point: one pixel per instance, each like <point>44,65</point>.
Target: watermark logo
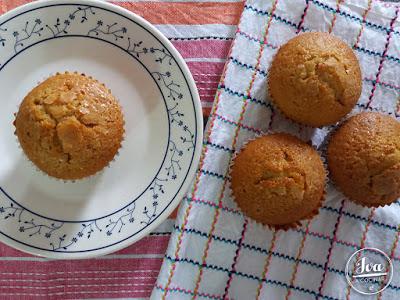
<point>369,271</point>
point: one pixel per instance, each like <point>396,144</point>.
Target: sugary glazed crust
<point>315,79</point>
<point>364,159</point>
<point>70,126</point>
<point>278,180</point>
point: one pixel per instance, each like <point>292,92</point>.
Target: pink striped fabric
<point>202,32</point>
<point>127,273</point>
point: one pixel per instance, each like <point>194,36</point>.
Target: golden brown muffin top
<point>278,180</point>
<point>70,126</point>
<point>315,79</point>
<point>364,158</point>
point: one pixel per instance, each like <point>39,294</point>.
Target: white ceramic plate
<point>163,129</point>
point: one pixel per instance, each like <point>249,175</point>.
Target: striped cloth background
<point>202,31</point>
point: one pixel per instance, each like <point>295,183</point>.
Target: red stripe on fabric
<point>203,48</point>
<point>391,255</point>
<point>63,266</point>
<point>2,7</point>
<point>235,259</point>
<point>203,72</point>
<point>303,17</point>
<point>75,288</point>
<point>207,87</point>
<point>208,96</point>
<point>206,70</point>
<point>177,248</point>
<point>338,2</point>
<point>187,12</point>
<point>362,245</point>
<point>76,295</point>
<point>147,245</point>
<point>298,256</point>
<point>171,12</point>
<point>6,5</point>
<point>207,101</point>
<point>380,68</point>
<point>207,76</point>
<point>11,252</point>
<point>390,85</point>
<point>207,82</point>
<point>266,264</point>
<point>332,242</point>
<point>205,253</point>
<point>238,124</point>
<point>80,278</point>
<point>363,23</point>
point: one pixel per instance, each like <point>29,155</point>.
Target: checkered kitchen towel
<point>217,253</point>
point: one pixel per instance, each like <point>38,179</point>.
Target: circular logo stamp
<point>369,271</point>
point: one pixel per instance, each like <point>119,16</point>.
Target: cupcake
<point>278,180</point>
<point>364,159</point>
<point>70,126</point>
<point>315,79</point>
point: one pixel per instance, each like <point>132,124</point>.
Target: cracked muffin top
<point>364,159</point>
<point>278,180</point>
<point>315,79</point>
<point>70,126</point>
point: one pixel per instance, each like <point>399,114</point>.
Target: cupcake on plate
<point>364,159</point>
<point>70,126</point>
<point>278,180</point>
<point>315,79</point>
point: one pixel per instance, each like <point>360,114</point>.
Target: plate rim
<point>22,246</point>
